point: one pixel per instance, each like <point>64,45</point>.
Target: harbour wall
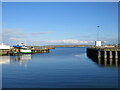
<point>103,53</point>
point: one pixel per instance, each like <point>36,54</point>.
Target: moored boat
<point>21,48</point>
<point>4,47</point>
<point>25,50</point>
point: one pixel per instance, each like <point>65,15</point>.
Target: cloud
<point>70,41</point>
<point>12,36</point>
<point>39,33</point>
<point>60,42</point>
<point>15,39</point>
<point>13,33</point>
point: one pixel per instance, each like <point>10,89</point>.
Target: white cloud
<point>39,33</point>
<point>15,39</point>
<point>70,41</point>
<point>60,42</point>
<point>12,33</point>
<point>12,36</point>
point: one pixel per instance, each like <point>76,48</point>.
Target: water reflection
<point>22,58</point>
<point>4,59</point>
<point>108,62</point>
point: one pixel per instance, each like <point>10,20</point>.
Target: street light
<point>98,42</point>
<point>98,33</point>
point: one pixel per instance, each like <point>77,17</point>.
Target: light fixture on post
<point>98,42</point>
<point>98,33</point>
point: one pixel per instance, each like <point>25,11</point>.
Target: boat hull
<point>4,47</point>
<point>25,51</point>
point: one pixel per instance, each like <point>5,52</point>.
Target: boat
<point>4,47</point>
<point>21,48</point>
<point>21,45</point>
<point>25,50</point>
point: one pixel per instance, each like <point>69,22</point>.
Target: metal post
<point>98,33</point>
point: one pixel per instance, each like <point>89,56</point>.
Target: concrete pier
<point>106,56</point>
<point>116,54</point>
<point>4,52</point>
<point>103,53</point>
<point>40,50</point>
<point>110,56</point>
<point>11,51</point>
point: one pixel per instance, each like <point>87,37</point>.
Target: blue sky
<point>52,23</point>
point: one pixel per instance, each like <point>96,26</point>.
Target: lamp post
<point>98,33</point>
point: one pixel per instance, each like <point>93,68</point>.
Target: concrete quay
<point>101,52</point>
<point>105,56</point>
<point>12,51</point>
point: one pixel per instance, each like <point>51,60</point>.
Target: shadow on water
<point>106,62</point>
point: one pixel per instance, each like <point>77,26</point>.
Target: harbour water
<point>61,68</point>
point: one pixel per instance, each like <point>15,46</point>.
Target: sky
<point>59,23</point>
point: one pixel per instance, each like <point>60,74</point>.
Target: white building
<point>98,43</point>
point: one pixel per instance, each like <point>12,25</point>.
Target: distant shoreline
<point>54,46</point>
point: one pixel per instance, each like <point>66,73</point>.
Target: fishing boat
<point>25,50</point>
<point>21,48</point>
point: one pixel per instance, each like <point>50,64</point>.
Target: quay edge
<point>103,53</point>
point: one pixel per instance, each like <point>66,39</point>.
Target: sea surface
<point>61,68</point>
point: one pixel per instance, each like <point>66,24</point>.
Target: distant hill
<point>54,46</point>
<point>72,45</point>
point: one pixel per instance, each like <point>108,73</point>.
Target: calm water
<point>61,68</point>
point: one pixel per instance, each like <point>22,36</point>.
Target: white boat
<point>4,47</point>
<point>25,51</point>
<point>22,48</point>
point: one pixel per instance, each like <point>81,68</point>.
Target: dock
<point>110,53</point>
<point>34,51</point>
<point>104,55</point>
<point>41,51</point>
<point>4,52</point>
